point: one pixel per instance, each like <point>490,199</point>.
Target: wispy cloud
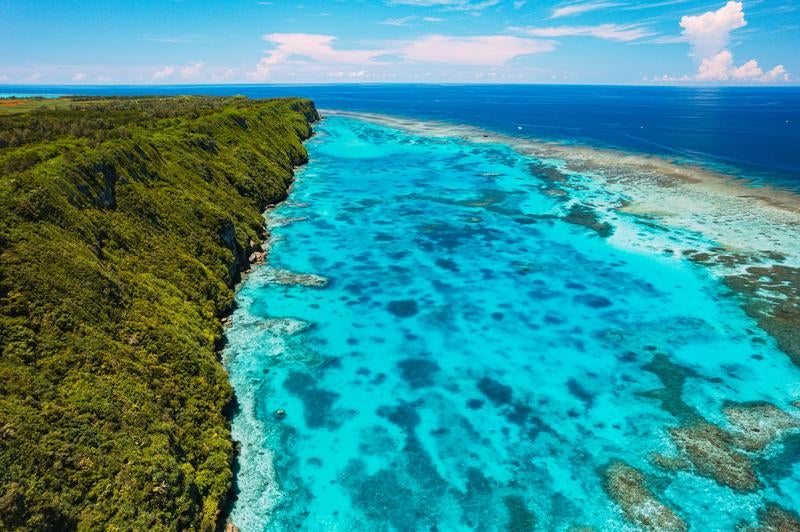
<point>652,5</point>
<point>581,7</point>
<point>609,32</point>
<point>402,21</point>
<point>449,5</point>
<point>488,50</point>
<point>181,39</point>
<point>320,52</point>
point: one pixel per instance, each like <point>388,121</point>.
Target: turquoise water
<point>27,95</point>
<point>473,360</point>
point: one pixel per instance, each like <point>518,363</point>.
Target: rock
<point>285,277</point>
<point>773,518</point>
<point>584,215</point>
<point>256,257</point>
<point>230,527</point>
<point>712,453</point>
<point>759,424</point>
<point>280,413</point>
<point>670,463</point>
<point>627,487</point>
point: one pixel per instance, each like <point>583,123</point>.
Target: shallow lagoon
<point>474,360</point>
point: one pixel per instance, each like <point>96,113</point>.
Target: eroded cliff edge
<point>125,224</point>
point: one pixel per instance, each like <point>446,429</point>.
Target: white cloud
<point>227,74</point>
<point>578,8</point>
<point>709,35</point>
<point>79,76</point>
<point>449,5</point>
<point>193,70</point>
<point>318,48</point>
<point>317,55</point>
<point>310,50</point>
<point>481,50</point>
<point>710,32</point>
<point>721,67</point>
<point>164,73</point>
<point>610,32</point>
<point>262,70</point>
<point>402,21</point>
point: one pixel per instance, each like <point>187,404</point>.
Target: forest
<point>124,225</point>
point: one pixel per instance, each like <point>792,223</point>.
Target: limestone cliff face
<point>124,225</point>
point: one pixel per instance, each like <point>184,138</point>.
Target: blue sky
<point>365,41</point>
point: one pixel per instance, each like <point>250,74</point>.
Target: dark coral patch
<point>593,301</point>
<point>404,308</point>
<point>383,497</point>
<point>495,391</point>
<point>383,237</point>
<point>317,402</point>
<point>404,415</point>
<point>447,264</point>
<point>418,372</point>
<point>520,519</point>
<point>474,404</point>
<point>577,390</point>
<point>584,215</point>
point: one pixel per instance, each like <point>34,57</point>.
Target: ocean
<point>750,131</point>
<point>524,308</point>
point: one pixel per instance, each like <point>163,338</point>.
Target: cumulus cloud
<point>164,73</point>
<point>189,72</point>
<point>80,76</point>
<point>263,69</point>
<point>709,36</point>
<point>710,32</point>
<point>193,70</point>
<point>610,32</point>
<point>721,67</point>
<point>225,75</point>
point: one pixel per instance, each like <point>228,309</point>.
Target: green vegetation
<point>124,224</point>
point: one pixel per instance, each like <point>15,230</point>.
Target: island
<point>125,224</point>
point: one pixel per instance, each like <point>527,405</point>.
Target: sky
<point>392,41</point>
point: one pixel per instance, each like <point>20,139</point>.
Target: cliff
<point>124,224</point>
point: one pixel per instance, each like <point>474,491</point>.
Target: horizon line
<point>791,84</point>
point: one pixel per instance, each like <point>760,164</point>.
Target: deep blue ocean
<point>754,131</point>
